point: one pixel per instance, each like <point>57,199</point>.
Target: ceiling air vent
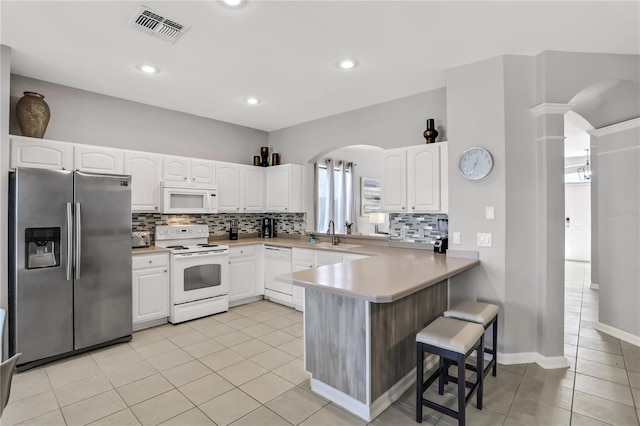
<point>151,22</point>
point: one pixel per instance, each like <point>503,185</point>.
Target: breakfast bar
<point>360,322</point>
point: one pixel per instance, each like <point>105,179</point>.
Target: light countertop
<point>149,250</point>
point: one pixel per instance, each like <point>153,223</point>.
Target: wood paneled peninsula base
<point>360,338</point>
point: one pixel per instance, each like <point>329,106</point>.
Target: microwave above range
<point>188,200</point>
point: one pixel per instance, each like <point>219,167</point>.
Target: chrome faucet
<point>332,231</point>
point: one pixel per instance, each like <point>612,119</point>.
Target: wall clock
<point>475,163</point>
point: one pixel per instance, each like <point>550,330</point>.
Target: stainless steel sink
<point>337,247</point>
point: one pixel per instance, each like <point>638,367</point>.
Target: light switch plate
<point>484,240</point>
<point>403,232</point>
<point>456,238</point>
<point>490,213</point>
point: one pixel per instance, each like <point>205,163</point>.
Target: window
<point>334,195</point>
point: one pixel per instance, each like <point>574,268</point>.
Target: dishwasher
<point>277,261</point>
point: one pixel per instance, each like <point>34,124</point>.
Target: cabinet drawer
<point>243,251</point>
<point>302,255</point>
<point>149,261</point>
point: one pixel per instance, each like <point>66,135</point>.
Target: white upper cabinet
<point>253,188</point>
<point>284,188</point>
<point>229,187</point>
<point>415,179</point>
<point>145,170</point>
<point>41,153</point>
<point>423,178</point>
<point>97,159</point>
<point>394,181</point>
<point>203,171</point>
<point>188,172</point>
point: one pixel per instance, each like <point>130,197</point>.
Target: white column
<point>549,252</point>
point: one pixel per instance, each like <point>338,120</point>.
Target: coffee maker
<point>233,230</point>
<point>268,228</point>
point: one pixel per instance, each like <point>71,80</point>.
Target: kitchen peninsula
<point>361,318</point>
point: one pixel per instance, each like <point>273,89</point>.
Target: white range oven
<point>199,272</point>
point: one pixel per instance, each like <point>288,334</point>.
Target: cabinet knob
<point>286,208</point>
<point>241,251</point>
<point>151,261</point>
<point>402,207</point>
<point>193,178</point>
<point>185,178</point>
<point>156,207</point>
<point>413,207</point>
<point>165,270</point>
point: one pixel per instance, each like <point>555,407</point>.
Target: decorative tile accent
<point>416,228</point>
<point>248,223</point>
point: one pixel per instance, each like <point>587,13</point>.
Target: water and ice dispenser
<point>43,247</point>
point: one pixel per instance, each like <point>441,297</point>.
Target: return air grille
<point>152,23</point>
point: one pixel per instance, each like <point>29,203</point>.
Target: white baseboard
<point>617,333</point>
<point>349,403</point>
<point>548,363</point>
<point>389,397</point>
<point>594,286</point>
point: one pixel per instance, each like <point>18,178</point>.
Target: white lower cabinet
<point>301,259</point>
<point>246,275</point>
<point>327,258</point>
<point>150,288</point>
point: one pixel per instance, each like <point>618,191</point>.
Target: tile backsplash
<point>248,223</point>
<point>416,228</point>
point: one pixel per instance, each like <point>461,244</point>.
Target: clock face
<point>475,163</point>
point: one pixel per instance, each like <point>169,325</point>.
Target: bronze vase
<point>431,133</point>
<point>264,154</point>
<point>33,114</point>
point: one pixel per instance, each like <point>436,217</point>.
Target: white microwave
<point>189,200</point>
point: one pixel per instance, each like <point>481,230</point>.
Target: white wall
<point>5,70</point>
<point>618,184</point>
<point>94,119</point>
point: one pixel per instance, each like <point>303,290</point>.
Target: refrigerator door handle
<point>78,242</point>
<point>69,241</point>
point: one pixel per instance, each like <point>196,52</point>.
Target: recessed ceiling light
<point>347,64</point>
<point>253,101</point>
<point>233,3</point>
<point>148,69</point>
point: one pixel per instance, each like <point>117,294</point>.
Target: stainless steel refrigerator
<point>69,263</point>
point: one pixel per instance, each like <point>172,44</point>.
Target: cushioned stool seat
<point>453,340</point>
<point>480,313</point>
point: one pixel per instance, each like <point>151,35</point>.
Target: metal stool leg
<point>495,348</point>
<point>480,373</point>
<point>442,366</point>
<point>461,390</point>
<point>419,365</point>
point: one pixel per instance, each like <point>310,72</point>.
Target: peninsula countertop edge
<point>389,274</point>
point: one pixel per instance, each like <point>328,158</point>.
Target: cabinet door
<point>150,294</point>
<point>145,170</point>
<point>277,182</point>
<point>95,159</point>
<point>242,277</point>
<point>228,177</point>
<point>175,169</point>
<point>423,178</point>
<point>297,292</point>
<point>203,171</point>
<point>41,153</point>
<point>253,189</point>
<point>327,258</point>
<point>394,181</point>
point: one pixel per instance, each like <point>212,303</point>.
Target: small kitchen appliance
<point>140,239</point>
<point>199,282</point>
<point>441,245</point>
<point>268,228</point>
<point>233,230</point>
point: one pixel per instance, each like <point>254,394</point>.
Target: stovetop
<point>186,239</point>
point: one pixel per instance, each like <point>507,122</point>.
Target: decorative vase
<point>33,114</point>
<point>431,133</point>
<point>264,153</point>
<point>256,160</point>
<point>275,159</point>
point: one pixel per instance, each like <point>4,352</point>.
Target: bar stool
<point>453,340</point>
<point>482,313</point>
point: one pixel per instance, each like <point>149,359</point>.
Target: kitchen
<point>142,127</point>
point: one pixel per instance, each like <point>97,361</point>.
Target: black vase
<point>431,133</point>
<point>264,153</point>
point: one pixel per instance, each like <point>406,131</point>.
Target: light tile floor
<point>245,367</point>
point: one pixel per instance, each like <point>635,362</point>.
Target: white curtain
<point>334,195</point>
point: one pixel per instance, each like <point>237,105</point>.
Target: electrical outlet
<point>403,232</point>
<point>420,232</point>
<point>490,213</point>
<point>456,238</point>
<point>484,240</point>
